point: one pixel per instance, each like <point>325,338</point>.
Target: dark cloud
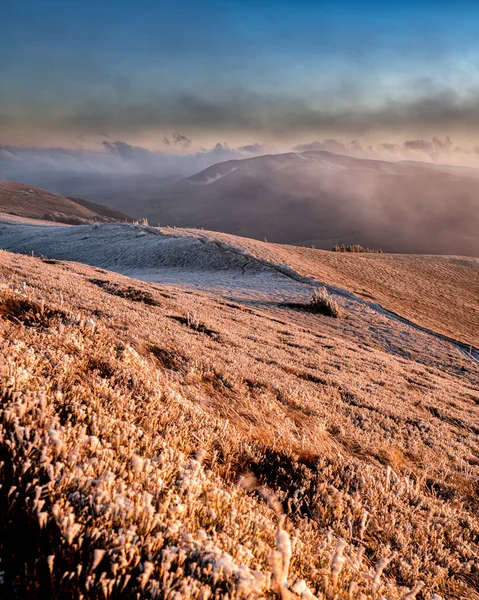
<point>431,110</point>
<point>177,139</point>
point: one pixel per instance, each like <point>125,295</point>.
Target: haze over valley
<point>315,198</point>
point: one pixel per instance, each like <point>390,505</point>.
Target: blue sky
<point>271,71</point>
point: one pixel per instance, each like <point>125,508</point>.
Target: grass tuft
<point>29,312</point>
<point>355,248</point>
<point>323,303</point>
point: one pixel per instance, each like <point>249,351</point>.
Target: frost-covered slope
<point>130,412</point>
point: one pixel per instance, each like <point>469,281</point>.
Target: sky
<point>181,76</point>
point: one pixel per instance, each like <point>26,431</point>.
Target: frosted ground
<point>193,259</point>
<point>365,427</point>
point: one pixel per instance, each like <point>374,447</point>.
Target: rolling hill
<point>186,425</point>
<point>320,198</point>
<point>435,292</point>
<point>26,201</point>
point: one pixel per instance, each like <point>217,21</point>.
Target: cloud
<point>40,165</point>
<point>257,149</point>
<point>8,156</point>
<point>427,111</point>
<point>125,151</point>
<point>434,148</point>
<point>353,148</point>
<point>422,110</point>
<point>177,139</point>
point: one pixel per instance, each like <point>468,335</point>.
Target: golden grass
<point>125,430</point>
<point>437,292</point>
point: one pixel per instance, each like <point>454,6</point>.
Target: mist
<point>321,198</point>
<point>417,195</point>
<point>62,170</point>
<point>49,167</point>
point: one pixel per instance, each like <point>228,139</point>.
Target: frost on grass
<point>321,302</point>
<point>104,473</point>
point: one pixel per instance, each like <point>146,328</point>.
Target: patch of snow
<point>210,180</point>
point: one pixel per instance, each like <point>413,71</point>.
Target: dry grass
<point>32,202</point>
<point>437,292</point>
<point>29,201</point>
<point>124,433</point>
<point>355,248</point>
<point>321,303</point>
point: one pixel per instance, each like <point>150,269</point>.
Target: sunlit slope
<point>32,202</point>
<point>360,430</point>
<point>437,292</point>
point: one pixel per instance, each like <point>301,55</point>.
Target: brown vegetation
<point>321,302</point>
<point>355,248</point>
<point>124,434</point>
<point>437,292</point>
<point>32,202</point>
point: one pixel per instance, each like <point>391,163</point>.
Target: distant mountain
<point>316,198</point>
<point>35,203</point>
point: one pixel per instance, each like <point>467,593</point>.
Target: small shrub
<point>323,303</point>
<point>355,248</point>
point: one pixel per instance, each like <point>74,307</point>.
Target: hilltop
<point>434,292</point>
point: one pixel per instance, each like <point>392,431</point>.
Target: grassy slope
<point>35,203</point>
<point>359,444</point>
<point>437,292</point>
<point>17,198</point>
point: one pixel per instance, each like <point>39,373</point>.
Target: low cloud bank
<point>42,166</point>
<point>434,150</point>
<point>116,158</point>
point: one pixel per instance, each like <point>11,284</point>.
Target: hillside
<point>319,198</point>
<point>35,203</point>
<point>433,292</point>
<point>102,210</point>
<point>131,410</point>
<point>437,292</point>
